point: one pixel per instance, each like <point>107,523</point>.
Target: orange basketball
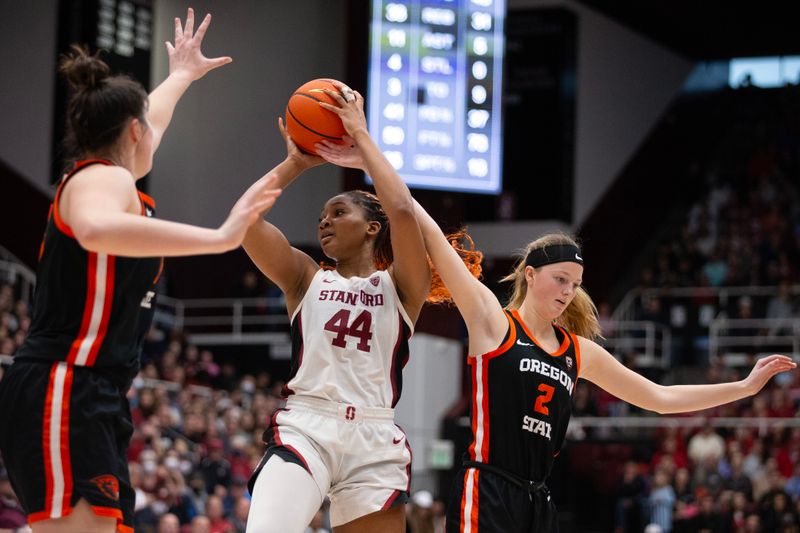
<point>309,123</point>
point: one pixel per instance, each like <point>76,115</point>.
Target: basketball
<point>306,121</point>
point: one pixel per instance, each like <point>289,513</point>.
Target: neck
<point>539,325</point>
<point>362,266</point>
<point>115,157</point>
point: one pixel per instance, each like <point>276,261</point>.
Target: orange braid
<point>463,244</point>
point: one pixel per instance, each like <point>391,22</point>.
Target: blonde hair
<point>580,317</point>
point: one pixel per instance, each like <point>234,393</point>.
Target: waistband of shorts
<point>531,487</point>
<point>348,412</point>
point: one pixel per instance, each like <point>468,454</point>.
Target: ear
<point>135,130</point>
<point>373,227</point>
<point>530,274</point>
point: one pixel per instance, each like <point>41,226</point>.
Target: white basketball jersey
<point>350,340</point>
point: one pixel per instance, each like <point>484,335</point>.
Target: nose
<point>324,223</point>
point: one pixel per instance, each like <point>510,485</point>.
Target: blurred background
<point>665,135</point>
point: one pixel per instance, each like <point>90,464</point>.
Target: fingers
<point>178,31</point>
<point>189,27</point>
<point>218,62</point>
<point>201,31</point>
<point>329,107</point>
<point>347,93</point>
<point>170,48</point>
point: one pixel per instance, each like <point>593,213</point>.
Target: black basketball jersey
<point>521,401</point>
<point>90,309</point>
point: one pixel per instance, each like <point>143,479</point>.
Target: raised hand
<point>302,159</point>
<point>345,155</point>
<point>350,108</point>
<point>250,207</point>
<point>185,56</point>
<point>765,369</point>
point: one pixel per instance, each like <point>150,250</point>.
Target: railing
<point>226,320</point>
<point>631,426</point>
<point>651,342</point>
<point>720,296</point>
<point>733,338</point>
<point>13,272</point>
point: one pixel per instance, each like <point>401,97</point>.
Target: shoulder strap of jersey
<point>511,337</point>
<point>79,165</point>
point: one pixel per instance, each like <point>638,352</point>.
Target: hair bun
<point>82,70</point>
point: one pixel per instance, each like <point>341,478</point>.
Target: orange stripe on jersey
<point>66,462</point>
<point>107,301</point>
<point>60,224</point>
<point>96,311</point>
<point>48,465</point>
<point>160,271</point>
<point>122,528</point>
<point>41,247</point>
<point>146,200</point>
<point>503,348</point>
<point>55,444</point>
<point>564,343</point>
<point>469,502</point>
<point>577,354</point>
<point>110,512</point>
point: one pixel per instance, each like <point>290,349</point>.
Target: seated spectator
<point>705,444</point>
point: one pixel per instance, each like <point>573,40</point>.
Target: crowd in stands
<point>717,479</point>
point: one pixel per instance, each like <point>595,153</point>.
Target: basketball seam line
<point>309,129</point>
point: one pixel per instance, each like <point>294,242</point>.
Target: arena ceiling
<point>711,29</point>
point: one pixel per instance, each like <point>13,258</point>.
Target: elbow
<point>661,401</point>
<point>90,235</point>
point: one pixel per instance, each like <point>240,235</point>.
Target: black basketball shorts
<point>64,434</point>
<point>483,502</point>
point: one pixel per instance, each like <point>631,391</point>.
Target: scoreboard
<point>434,91</point>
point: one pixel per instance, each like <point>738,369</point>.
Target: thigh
<point>81,520</point>
<point>388,521</point>
<point>285,498</point>
<point>375,476</point>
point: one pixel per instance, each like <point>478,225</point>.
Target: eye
<point>339,212</point>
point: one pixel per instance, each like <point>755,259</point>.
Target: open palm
<point>185,56</point>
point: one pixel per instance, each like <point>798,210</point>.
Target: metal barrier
<point>733,339</point>
<point>651,341</point>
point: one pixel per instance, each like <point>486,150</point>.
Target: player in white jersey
<point>336,435</point>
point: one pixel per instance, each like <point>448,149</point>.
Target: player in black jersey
<point>64,419</point>
<point>525,360</point>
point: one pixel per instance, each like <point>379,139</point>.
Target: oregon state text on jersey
<point>350,340</point>
<point>90,309</point>
<point>521,401</point>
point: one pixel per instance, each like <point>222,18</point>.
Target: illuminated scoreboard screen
<point>434,92</point>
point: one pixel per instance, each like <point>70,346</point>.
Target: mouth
<point>325,236</point>
<point>562,302</point>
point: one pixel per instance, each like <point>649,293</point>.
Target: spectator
<point>11,514</point>
<point>215,513</point>
<point>169,523</point>
<point>662,501</point>
<point>705,444</point>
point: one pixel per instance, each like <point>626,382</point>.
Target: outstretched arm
<point>186,64</point>
<point>482,312</point>
<point>602,369</point>
<point>410,266</point>
<point>102,208</point>
<point>286,266</point>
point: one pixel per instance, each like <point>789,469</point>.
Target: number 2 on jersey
<point>360,328</point>
<point>541,402</point>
